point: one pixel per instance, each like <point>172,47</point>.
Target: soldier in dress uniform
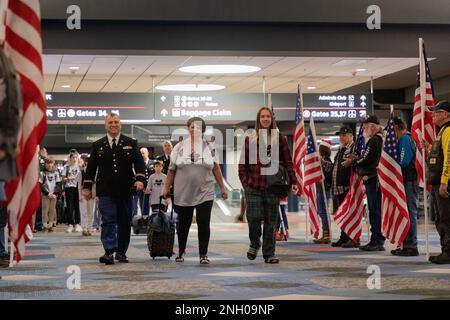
<point>165,158</point>
<point>111,165</point>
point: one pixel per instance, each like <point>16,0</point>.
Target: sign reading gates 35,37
<point>243,107</point>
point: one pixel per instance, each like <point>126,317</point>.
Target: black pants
<point>442,218</point>
<point>203,215</point>
<point>336,203</point>
<point>73,205</point>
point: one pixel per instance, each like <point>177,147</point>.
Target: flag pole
<point>303,169</point>
<point>325,202</point>
<point>423,99</point>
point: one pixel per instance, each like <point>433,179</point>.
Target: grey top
<point>194,179</point>
<point>156,183</point>
<point>73,171</point>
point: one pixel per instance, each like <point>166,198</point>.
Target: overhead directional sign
<point>243,107</point>
<point>213,107</point>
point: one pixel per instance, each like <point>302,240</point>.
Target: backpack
<point>10,105</point>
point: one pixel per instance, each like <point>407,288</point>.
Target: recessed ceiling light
<point>191,87</point>
<point>311,88</point>
<point>361,70</point>
<point>220,69</point>
<point>74,68</point>
<point>65,86</point>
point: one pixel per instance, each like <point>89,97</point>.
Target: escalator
<point>228,211</point>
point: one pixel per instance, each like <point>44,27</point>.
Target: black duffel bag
<point>279,184</point>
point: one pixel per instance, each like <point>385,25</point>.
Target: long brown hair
<point>273,125</point>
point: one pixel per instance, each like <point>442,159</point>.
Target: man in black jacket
<point>115,156</point>
<point>366,167</point>
<point>341,180</point>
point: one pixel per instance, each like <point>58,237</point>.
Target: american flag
<point>394,211</point>
<point>299,142</point>
<point>313,174</point>
<point>416,129</point>
<point>23,44</point>
<point>351,211</point>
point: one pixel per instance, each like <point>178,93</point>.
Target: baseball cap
<point>441,105</point>
<point>344,130</point>
<point>398,121</point>
<point>372,119</point>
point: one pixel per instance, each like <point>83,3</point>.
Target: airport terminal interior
<point>157,64</point>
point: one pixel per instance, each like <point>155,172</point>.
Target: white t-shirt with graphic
<point>156,183</point>
<point>50,178</point>
<point>72,171</point>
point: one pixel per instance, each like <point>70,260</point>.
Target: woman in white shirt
<point>194,169</point>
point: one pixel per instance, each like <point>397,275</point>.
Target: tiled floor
<point>306,271</point>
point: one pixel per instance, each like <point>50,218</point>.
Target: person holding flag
<point>366,166</point>
<point>406,153</point>
<point>395,217</point>
<point>322,203</point>
<point>341,180</point>
<point>438,163</point>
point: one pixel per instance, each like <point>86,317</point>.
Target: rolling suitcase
<point>161,234</point>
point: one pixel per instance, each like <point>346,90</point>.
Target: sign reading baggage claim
<point>348,107</point>
<point>213,107</point>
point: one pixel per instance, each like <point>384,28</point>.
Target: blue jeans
<point>116,224</point>
<point>143,201</point>
<point>321,208</point>
<point>373,193</point>
<point>412,196</point>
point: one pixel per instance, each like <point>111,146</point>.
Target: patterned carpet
<point>306,270</point>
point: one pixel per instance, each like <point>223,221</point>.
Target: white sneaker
<point>78,228</point>
<point>69,229</point>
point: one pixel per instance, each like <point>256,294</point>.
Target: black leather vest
<point>435,159</point>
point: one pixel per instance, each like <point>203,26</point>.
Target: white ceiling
<point>99,73</point>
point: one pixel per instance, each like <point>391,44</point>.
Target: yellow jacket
<point>445,143</point>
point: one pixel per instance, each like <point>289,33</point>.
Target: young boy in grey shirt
<point>155,187</point>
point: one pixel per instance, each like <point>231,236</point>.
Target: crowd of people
<point>107,187</point>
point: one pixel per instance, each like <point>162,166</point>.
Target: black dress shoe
<point>350,244</point>
<point>372,247</point>
<point>405,252</point>
<point>338,243</point>
<point>106,259</point>
<point>443,258</point>
<point>121,258</point>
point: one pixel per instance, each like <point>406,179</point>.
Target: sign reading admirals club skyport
<point>211,107</point>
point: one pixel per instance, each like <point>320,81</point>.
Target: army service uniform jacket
<point>112,170</point>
